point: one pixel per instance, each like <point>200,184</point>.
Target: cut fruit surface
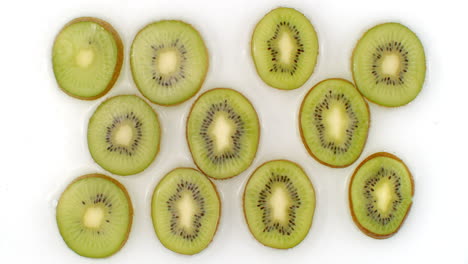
<point>284,48</point>
<point>185,209</point>
<point>94,216</point>
<point>124,135</point>
<point>380,195</point>
<point>87,58</point>
<point>223,133</point>
<point>389,65</point>
<point>169,61</point>
<point>334,122</point>
<point>279,204</point>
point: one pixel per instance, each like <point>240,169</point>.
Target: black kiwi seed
<point>342,148</point>
<point>232,115</point>
<point>137,125</point>
<point>263,198</point>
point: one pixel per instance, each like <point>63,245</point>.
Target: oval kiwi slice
<point>279,204</point>
<point>87,58</point>
<point>389,65</point>
<point>124,135</point>
<point>223,133</point>
<point>169,61</point>
<point>284,48</point>
<point>185,209</point>
<point>380,195</point>
<point>94,216</point>
<point>334,122</point>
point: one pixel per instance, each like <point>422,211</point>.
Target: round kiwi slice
<point>334,122</point>
<point>185,209</point>
<point>389,65</point>
<point>169,61</point>
<point>94,216</point>
<point>87,58</point>
<point>284,48</point>
<point>380,195</point>
<point>223,133</point>
<point>124,135</point>
<point>279,204</point>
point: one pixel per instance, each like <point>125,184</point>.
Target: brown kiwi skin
<point>251,49</point>
<point>217,194</point>
<point>203,79</point>
<point>354,77</point>
<point>363,229</point>
<point>159,126</point>
<point>118,65</point>
<point>302,132</point>
<point>186,131</point>
<point>124,190</point>
<point>243,199</point>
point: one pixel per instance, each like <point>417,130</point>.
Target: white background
<point>43,143</point>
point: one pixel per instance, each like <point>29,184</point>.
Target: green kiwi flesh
<point>389,65</point>
<point>124,135</point>
<point>185,210</point>
<point>380,195</point>
<point>279,204</point>
<point>284,48</point>
<point>334,122</point>
<point>169,61</point>
<point>223,133</point>
<point>94,216</point>
<point>87,57</point>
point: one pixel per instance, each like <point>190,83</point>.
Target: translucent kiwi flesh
<point>389,65</point>
<point>185,211</point>
<point>124,135</point>
<point>223,133</point>
<point>334,122</point>
<point>284,48</point>
<point>169,61</point>
<point>279,204</point>
<point>87,57</point>
<point>380,195</point>
<point>94,216</point>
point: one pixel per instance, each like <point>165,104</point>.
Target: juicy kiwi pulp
<point>334,122</point>
<point>279,204</point>
<point>169,61</point>
<point>94,216</point>
<point>124,135</point>
<point>380,195</point>
<point>87,57</point>
<point>185,211</point>
<point>223,133</point>
<point>284,48</point>
<point>389,65</point>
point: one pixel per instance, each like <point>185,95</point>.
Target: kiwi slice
<point>279,204</point>
<point>87,58</point>
<point>124,135</point>
<point>223,133</point>
<point>169,61</point>
<point>284,48</point>
<point>334,122</point>
<point>94,216</point>
<point>380,195</point>
<point>389,65</point>
<point>185,209</point>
